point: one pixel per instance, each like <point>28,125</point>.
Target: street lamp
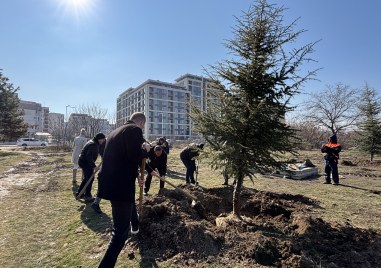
<point>67,106</point>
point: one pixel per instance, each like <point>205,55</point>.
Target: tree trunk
<point>237,196</point>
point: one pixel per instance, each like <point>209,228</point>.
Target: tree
<point>370,122</point>
<point>12,125</point>
<point>334,108</point>
<point>246,126</point>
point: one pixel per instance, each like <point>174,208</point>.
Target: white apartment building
<point>33,116</point>
<point>166,106</point>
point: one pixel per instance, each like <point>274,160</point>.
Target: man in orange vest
<point>331,152</point>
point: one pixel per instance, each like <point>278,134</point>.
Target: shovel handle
<point>142,168</point>
<point>177,188</point>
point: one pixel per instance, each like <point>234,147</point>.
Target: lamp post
<point>66,123</point>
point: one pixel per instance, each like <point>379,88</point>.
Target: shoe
<point>96,208</point>
<point>336,183</point>
<point>327,182</point>
<point>193,181</point>
<point>145,193</point>
<point>134,230</point>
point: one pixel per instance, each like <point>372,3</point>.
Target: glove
<point>146,146</point>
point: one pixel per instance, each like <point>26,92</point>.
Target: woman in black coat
<point>87,158</point>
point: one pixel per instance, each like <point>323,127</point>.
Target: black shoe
<point>96,208</point>
<point>327,182</point>
<point>336,183</point>
<point>193,181</point>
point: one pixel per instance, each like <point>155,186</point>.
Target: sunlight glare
<point>77,8</point>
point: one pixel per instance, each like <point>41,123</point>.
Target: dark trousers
<point>331,167</point>
<point>147,184</point>
<point>191,168</point>
<point>87,173</point>
<point>122,214</point>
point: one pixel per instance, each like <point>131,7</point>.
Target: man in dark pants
<point>157,159</point>
<point>87,158</point>
<point>188,157</point>
<point>121,159</point>
<point>331,152</point>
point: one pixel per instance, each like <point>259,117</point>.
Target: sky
<point>68,53</point>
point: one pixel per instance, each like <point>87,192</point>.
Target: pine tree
<point>245,128</point>
<point>370,123</point>
<point>12,125</point>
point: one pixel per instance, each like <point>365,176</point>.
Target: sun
<point>77,8</point>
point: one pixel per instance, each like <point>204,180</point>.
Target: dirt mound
<point>276,230</point>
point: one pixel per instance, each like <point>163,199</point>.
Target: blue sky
<point>79,52</point>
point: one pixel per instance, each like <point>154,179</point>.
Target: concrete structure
<point>33,116</point>
<point>166,106</point>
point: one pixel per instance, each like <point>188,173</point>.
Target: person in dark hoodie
<point>331,152</point>
<point>87,158</point>
<point>157,159</point>
<point>122,157</point>
<point>188,156</point>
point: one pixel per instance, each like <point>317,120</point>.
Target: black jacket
<point>189,153</point>
<point>121,159</point>
<point>154,162</point>
<point>89,154</point>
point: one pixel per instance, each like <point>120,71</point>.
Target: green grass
<point>42,225</point>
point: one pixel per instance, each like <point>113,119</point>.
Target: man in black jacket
<point>188,156</point>
<point>87,158</point>
<point>121,159</point>
<point>157,159</point>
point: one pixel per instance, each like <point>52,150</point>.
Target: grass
<point>42,225</point>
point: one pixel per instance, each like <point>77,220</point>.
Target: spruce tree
<point>245,126</point>
<point>12,125</point>
<point>370,122</point>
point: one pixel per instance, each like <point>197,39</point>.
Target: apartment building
<point>33,116</point>
<point>166,106</point>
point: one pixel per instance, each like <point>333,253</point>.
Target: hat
<point>333,138</point>
<point>99,136</point>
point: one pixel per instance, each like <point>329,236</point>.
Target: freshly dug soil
<point>276,230</point>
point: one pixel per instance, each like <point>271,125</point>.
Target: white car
<point>31,142</point>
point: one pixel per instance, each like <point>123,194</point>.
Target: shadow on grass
<point>359,188</point>
<point>175,175</point>
<point>97,222</point>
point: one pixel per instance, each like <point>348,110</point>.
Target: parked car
<point>31,142</point>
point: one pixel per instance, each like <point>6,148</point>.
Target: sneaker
<point>96,208</point>
<point>145,193</point>
<point>193,181</point>
<point>336,183</point>
<point>134,229</point>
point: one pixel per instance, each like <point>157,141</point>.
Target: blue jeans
<point>331,167</point>
<point>122,214</point>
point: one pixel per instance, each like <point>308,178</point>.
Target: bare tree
<point>335,108</point>
<point>91,117</point>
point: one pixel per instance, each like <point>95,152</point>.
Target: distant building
<point>166,106</point>
<point>33,116</point>
<point>55,122</point>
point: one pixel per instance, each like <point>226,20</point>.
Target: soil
<point>276,230</point>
